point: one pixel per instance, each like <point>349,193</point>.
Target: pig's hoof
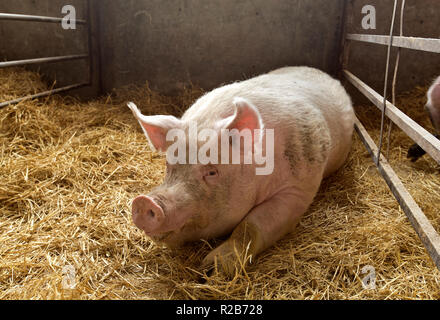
<point>224,257</point>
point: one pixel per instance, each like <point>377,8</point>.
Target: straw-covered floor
<point>68,171</point>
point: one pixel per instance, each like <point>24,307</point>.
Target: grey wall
<point>367,61</point>
<point>172,42</point>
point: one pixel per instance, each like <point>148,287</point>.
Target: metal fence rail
<point>422,44</point>
<point>44,94</point>
<point>35,18</point>
<point>426,140</point>
<point>427,234</point>
<point>42,60</point>
<point>417,218</point>
<point>25,17</point>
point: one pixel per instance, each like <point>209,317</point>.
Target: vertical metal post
<point>396,68</point>
<point>347,21</point>
<point>89,38</point>
<point>390,44</point>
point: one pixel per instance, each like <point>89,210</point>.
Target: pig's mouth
<point>172,238</point>
<point>161,237</point>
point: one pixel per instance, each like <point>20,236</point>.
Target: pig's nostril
<point>151,213</point>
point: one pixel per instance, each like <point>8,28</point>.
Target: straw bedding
<point>69,169</point>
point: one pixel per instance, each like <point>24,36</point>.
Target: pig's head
<point>433,104</point>
<point>196,201</point>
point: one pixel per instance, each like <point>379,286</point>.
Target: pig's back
<point>309,109</point>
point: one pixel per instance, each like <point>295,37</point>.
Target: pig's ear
<point>155,127</point>
<point>246,116</point>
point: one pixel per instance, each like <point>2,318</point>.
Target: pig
<point>433,109</point>
<point>312,120</point>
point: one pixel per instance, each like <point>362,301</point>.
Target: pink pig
<point>311,117</point>
<point>433,109</point>
<point>433,104</point>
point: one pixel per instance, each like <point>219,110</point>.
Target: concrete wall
<point>170,43</point>
<point>367,61</point>
<point>173,42</point>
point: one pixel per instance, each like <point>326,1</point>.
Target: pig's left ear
<point>246,116</point>
<point>155,127</point>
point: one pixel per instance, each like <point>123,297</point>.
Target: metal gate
<point>41,60</point>
<point>428,235</point>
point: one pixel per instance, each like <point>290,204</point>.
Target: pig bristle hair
<point>69,170</point>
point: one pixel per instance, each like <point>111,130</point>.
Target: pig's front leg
<point>262,227</point>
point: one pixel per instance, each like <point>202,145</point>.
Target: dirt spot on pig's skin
<point>307,144</point>
<point>291,152</point>
<point>315,143</point>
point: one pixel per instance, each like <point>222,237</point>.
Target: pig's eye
<point>210,174</point>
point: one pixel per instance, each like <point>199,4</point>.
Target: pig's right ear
<point>155,127</point>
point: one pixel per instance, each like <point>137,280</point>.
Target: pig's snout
<point>147,214</point>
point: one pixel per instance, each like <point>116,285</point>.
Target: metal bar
<point>396,68</point>
<point>44,94</point>
<point>422,44</point>
<point>89,42</point>
<point>41,60</point>
<point>25,17</point>
<point>385,83</point>
<point>95,25</point>
<point>423,138</point>
<point>426,232</point>
<point>344,48</point>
